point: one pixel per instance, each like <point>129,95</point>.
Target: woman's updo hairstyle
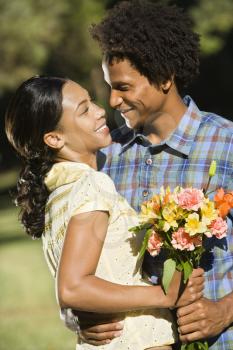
<point>34,110</point>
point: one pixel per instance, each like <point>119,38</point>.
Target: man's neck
<point>165,124</point>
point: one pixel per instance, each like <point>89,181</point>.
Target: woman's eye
<point>85,110</point>
<point>86,107</point>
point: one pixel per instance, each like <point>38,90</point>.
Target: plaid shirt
<point>139,169</point>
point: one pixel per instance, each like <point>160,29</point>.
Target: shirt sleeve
<point>95,191</point>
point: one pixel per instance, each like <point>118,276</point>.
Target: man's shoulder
<point>217,122</point>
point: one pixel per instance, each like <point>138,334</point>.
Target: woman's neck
<point>89,159</point>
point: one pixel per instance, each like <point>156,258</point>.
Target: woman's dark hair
<point>157,39</point>
<point>34,110</point>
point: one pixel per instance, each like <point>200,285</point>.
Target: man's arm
<point>205,318</point>
<point>90,328</point>
<point>96,331</point>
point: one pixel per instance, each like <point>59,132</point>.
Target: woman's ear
<point>54,140</point>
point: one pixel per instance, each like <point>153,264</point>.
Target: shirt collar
<point>64,173</point>
<point>180,140</point>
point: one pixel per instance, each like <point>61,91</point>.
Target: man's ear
<point>54,140</point>
<point>166,85</point>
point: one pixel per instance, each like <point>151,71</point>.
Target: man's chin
<point>128,124</point>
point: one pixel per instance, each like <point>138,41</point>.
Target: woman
<point>83,221</point>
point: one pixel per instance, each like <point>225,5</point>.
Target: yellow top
<point>77,188</point>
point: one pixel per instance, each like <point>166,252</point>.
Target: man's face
<point>138,101</point>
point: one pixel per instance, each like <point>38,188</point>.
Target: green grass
<point>8,178</point>
<point>29,314</point>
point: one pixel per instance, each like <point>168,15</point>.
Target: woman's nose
<point>115,99</point>
<point>100,112</point>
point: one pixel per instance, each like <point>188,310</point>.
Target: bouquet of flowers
<point>179,222</point>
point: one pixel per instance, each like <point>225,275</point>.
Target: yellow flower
<point>166,226</point>
<point>194,225</point>
<point>150,209</point>
<point>169,213</point>
<point>208,212</point>
<point>212,169</point>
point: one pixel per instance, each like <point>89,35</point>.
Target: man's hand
<point>96,330</point>
<point>194,289</point>
<point>204,318</point>
<point>101,334</point>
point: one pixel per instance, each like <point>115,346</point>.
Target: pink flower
<point>189,198</point>
<point>154,244</point>
<point>181,240</point>
<point>218,228</point>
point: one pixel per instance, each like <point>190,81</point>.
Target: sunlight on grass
<point>8,178</point>
<point>29,314</point>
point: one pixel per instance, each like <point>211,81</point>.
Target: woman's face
<point>83,123</point>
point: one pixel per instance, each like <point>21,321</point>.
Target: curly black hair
<point>157,40</point>
<point>35,109</point>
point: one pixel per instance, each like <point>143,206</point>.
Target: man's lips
<point>124,111</point>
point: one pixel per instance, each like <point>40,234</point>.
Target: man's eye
<point>123,88</point>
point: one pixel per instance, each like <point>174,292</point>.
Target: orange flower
<point>166,198</point>
<point>156,207</point>
<point>223,202</point>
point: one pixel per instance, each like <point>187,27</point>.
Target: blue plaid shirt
<point>139,169</point>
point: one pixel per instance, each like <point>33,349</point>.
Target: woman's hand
<point>193,290</point>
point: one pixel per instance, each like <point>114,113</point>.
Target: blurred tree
<point>52,37</point>
<point>77,56</point>
<point>29,29</point>
<point>213,20</point>
<point>47,37</point>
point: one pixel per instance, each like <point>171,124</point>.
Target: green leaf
<point>179,267</point>
<point>197,345</point>
<point>139,228</point>
<point>144,243</point>
<point>188,269</point>
<point>203,346</point>
<point>183,347</point>
<point>161,224</point>
<point>168,272</point>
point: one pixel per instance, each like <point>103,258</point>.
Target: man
<point>150,54</point>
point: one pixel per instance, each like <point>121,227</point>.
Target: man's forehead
<point>119,72</point>
<point>106,72</point>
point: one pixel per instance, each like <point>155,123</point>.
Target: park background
<point>51,37</point>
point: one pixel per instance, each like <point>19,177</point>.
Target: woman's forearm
<point>80,289</point>
<point>96,295</point>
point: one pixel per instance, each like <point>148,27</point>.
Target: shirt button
<point>145,193</point>
<point>149,161</point>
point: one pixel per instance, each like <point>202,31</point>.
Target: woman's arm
<point>80,289</point>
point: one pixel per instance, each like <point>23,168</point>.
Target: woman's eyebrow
<point>81,103</point>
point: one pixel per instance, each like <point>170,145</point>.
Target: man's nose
<point>115,99</point>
